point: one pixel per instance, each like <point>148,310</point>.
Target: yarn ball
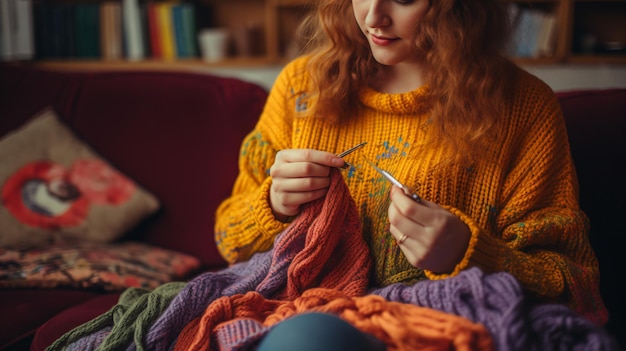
<point>318,331</point>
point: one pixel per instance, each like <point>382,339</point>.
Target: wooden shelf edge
<point>261,62</point>
<point>537,61</point>
<point>595,59</point>
<point>151,64</point>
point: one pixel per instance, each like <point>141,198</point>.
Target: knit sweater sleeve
<point>540,234</point>
<point>244,222</point>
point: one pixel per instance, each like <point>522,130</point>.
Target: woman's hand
<point>299,176</point>
<point>435,240</point>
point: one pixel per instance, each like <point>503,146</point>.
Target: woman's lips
<point>381,41</point>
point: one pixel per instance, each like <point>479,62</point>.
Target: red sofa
<point>188,160</point>
<point>176,134</point>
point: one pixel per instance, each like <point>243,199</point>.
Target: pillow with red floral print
<point>94,266</point>
<point>55,187</point>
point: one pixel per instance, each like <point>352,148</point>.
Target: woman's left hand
<point>436,240</point>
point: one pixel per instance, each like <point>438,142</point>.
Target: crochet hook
<point>349,151</point>
<point>407,191</point>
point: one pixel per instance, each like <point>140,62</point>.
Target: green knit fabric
<point>131,317</point>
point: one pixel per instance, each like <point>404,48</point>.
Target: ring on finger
<point>402,239</point>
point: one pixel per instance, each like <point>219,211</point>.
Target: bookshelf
<point>269,24</point>
<point>262,32</point>
<point>587,31</point>
<point>597,31</point>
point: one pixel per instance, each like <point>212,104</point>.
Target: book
<point>79,26</point>
<point>24,48</point>
<point>547,36</point>
<point>68,30</point>
<point>111,30</point>
<point>55,29</point>
<point>166,29</point>
<point>184,28</point>
<point>7,29</point>
<point>39,19</point>
<point>87,25</point>
<point>182,49</point>
<point>513,16</point>
<point>189,27</point>
<point>132,24</point>
<point>145,29</point>
<point>52,30</point>
<point>154,33</point>
<point>534,33</point>
<point>526,33</point>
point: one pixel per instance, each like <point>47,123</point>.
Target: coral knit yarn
<point>329,274</point>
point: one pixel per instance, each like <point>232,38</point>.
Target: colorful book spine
<point>182,51</point>
<point>110,30</point>
<point>24,36</point>
<point>154,33</point>
<point>133,30</point>
<point>189,28</point>
<point>166,28</point>
<point>88,30</point>
<point>7,34</point>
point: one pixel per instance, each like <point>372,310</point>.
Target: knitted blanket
<point>321,263</point>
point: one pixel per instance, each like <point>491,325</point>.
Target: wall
<point>582,76</point>
<point>559,77</point>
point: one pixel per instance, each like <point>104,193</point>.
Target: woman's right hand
<point>299,176</point>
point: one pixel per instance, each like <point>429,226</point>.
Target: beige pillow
<point>54,187</point>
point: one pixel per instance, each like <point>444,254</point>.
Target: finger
<point>299,170</point>
<point>402,213</point>
<point>411,248</point>
<point>292,185</point>
<point>398,235</point>
<point>420,212</point>
<point>291,201</point>
<point>403,225</point>
<point>309,155</point>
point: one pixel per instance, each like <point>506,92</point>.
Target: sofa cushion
<point>37,305</point>
<point>72,318</point>
<point>94,266</point>
<point>54,188</point>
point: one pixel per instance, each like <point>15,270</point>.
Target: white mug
<point>213,43</point>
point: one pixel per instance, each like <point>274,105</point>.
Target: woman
<point>480,140</point>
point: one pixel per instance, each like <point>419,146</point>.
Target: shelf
<point>599,27</point>
<point>541,61</point>
<point>187,64</point>
<point>598,59</point>
<point>271,26</point>
<point>289,3</point>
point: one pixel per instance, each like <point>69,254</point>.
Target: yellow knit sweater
<point>520,202</point>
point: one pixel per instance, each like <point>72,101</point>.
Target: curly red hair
<point>467,77</point>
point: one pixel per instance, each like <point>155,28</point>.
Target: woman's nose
<point>377,15</point>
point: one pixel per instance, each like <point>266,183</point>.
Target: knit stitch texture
<point>518,195</point>
<point>321,263</point>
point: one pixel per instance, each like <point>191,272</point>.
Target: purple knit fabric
<point>199,293</point>
<point>91,341</point>
<point>498,302</point>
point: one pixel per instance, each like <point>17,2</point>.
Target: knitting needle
<point>405,189</point>
<point>349,151</point>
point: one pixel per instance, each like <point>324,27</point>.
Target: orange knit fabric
<point>401,327</point>
<point>329,273</point>
<point>333,254</point>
